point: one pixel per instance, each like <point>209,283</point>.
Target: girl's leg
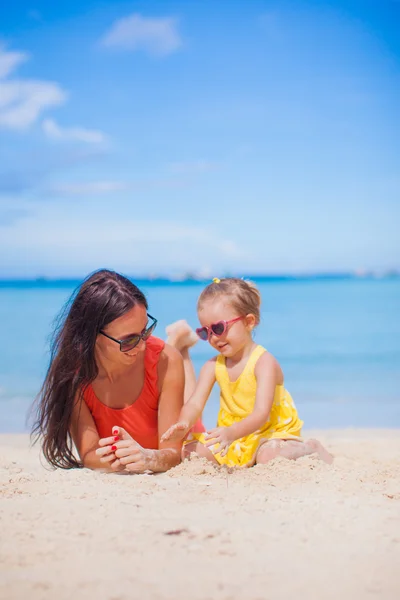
<point>291,449</point>
<point>199,449</point>
<point>190,375</point>
<point>182,337</point>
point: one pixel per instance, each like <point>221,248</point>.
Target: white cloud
<point>9,61</point>
<point>84,188</point>
<point>23,100</point>
<point>89,136</point>
<point>158,37</point>
<point>89,188</point>
<point>55,237</point>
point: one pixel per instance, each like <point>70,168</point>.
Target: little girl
<point>257,419</point>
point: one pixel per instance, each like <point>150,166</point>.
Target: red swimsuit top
<point>140,419</point>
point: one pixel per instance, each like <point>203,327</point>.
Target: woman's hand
<point>176,432</point>
<point>221,436</point>
<point>122,452</point>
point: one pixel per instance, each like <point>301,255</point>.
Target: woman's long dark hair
<point>103,297</point>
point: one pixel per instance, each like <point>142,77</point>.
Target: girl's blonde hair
<point>243,295</point>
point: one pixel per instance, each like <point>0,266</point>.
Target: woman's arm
<point>172,381</point>
<point>193,408</point>
<point>86,438</point>
<point>131,455</point>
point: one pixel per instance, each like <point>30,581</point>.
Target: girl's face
<point>236,335</point>
<point>131,323</point>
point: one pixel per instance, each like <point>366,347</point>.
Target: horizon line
<point>189,277</point>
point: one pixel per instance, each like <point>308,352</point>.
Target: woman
<point>112,389</point>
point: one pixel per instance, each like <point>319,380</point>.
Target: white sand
<point>197,532</point>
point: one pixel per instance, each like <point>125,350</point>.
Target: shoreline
<point>290,527</point>
<point>187,278</point>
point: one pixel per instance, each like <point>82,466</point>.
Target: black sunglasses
<point>132,341</point>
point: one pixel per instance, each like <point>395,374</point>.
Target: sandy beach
<point>199,532</point>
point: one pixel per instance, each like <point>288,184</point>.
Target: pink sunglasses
<point>217,329</point>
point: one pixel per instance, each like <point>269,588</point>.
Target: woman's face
<point>133,322</point>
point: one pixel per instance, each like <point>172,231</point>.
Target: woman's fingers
<point>122,451</point>
<point>125,444</point>
<point>114,445</point>
<point>104,450</point>
<point>112,461</point>
<point>109,441</point>
<point>135,467</point>
<point>118,434</point>
<point>121,433</point>
<point>108,458</point>
<point>131,458</point>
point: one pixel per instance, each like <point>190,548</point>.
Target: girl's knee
<point>198,449</point>
<point>268,451</point>
<point>188,449</point>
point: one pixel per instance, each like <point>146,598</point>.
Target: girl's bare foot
<point>318,448</point>
<point>181,335</point>
<point>292,449</point>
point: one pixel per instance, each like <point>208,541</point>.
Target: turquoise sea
<point>338,341</point>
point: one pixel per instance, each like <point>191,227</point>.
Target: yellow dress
<point>237,401</point>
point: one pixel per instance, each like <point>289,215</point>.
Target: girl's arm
<point>193,408</point>
<point>267,373</point>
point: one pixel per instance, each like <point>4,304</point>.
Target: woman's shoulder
<point>167,355</point>
<point>170,364</point>
<point>86,394</point>
<point>155,344</point>
<point>154,354</point>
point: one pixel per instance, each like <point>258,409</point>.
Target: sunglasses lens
<point>218,328</point>
<point>130,343</point>
<point>202,333</point>
<point>149,331</point>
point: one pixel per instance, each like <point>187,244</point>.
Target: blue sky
<point>160,137</point>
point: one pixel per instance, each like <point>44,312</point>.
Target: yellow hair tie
<point>216,280</point>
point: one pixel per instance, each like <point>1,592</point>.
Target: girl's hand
<point>176,432</point>
<point>220,435</point>
<point>122,452</point>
